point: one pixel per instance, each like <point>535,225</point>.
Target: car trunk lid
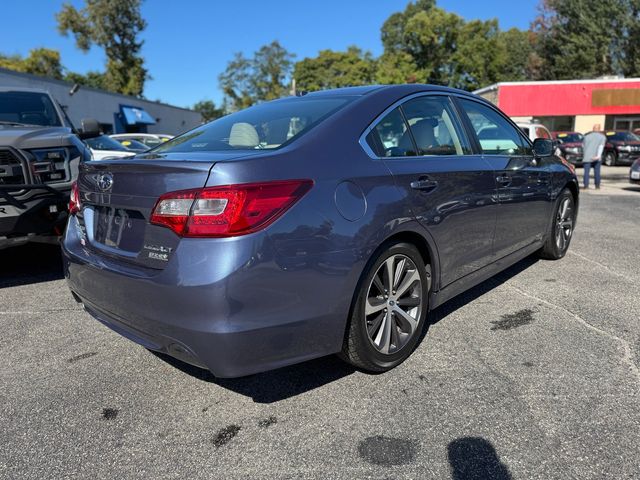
<point>118,197</point>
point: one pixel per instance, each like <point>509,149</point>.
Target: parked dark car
<point>327,223</point>
<point>634,172</point>
<point>622,148</point>
<point>40,151</point>
<point>570,145</point>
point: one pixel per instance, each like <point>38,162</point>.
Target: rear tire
<point>561,232</point>
<point>390,310</point>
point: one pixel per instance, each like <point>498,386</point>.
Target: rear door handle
<point>424,184</point>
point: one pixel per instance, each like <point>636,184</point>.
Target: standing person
<point>592,148</point>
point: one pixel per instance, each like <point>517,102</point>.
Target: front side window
<point>495,134</point>
<point>434,127</point>
<point>262,127</point>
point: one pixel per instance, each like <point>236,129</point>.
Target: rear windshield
<point>28,108</point>
<point>264,126</point>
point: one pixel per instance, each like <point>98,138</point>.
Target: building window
<point>557,124</point>
<point>106,128</point>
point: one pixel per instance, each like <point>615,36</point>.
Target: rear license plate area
<point>119,228</point>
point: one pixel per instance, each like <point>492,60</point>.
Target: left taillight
<point>229,210</point>
<point>74,199</point>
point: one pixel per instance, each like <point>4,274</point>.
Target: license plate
<point>112,223</point>
<point>119,228</point>
<point>635,175</point>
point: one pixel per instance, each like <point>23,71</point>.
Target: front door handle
<point>424,184</point>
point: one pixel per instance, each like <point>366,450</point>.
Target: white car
<point>104,147</point>
<point>149,139</point>
<point>534,130</point>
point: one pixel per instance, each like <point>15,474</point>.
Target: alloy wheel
<point>564,223</point>
<point>394,304</point>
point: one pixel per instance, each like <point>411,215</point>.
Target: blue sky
<point>189,42</point>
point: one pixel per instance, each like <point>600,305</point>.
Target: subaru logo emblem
<point>105,181</point>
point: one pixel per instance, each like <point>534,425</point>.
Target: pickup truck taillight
<point>74,199</point>
<point>229,210</point>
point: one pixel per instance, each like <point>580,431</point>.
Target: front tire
<point>610,159</point>
<point>561,232</point>
<point>390,309</point>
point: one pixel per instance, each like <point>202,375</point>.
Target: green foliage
<point>332,69</point>
<point>90,79</point>
<point>208,110</point>
<point>585,38</point>
<point>521,61</point>
<point>41,61</point>
<point>250,80</point>
<point>113,25</point>
<point>398,67</point>
<point>479,57</point>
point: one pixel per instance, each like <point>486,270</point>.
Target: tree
<point>246,81</point>
<point>521,61</point>
<point>40,61</point>
<point>479,57</point>
<point>271,68</point>
<point>398,67</point>
<point>331,69</point>
<point>583,39</point>
<point>113,25</point>
<point>208,110</point>
<point>91,79</point>
<point>394,34</point>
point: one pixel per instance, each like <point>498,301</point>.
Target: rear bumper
<point>229,306</point>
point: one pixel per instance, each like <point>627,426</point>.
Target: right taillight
<point>228,210</point>
<point>74,199</point>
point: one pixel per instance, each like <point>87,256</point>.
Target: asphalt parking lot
<point>533,374</point>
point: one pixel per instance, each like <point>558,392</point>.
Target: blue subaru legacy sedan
<point>326,223</point>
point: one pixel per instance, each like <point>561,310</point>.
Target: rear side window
<point>496,135</point>
<point>390,137</point>
<point>261,127</point>
<point>434,127</point>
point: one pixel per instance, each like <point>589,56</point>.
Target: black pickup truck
<point>40,151</point>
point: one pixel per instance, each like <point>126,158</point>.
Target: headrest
<point>243,135</point>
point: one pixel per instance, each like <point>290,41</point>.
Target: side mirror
<point>542,147</point>
<point>90,128</point>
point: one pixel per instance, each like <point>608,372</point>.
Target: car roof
<point>402,88</point>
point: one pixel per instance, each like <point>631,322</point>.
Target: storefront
<point>574,105</point>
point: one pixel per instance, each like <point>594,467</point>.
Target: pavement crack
<point>37,312</point>
<point>627,357</point>
<point>602,265</point>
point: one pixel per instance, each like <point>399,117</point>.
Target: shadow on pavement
<point>275,385</point>
<point>470,295</point>
<point>31,263</point>
<point>290,381</point>
<point>474,458</point>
